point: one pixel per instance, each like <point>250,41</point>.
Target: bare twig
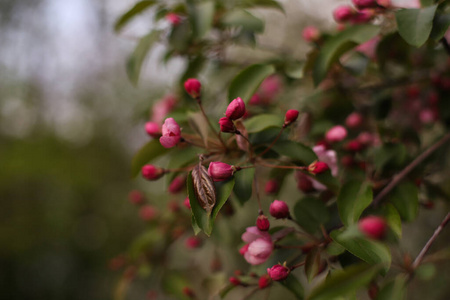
<point>400,176</point>
<point>427,246</point>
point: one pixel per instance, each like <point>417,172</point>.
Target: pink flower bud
<point>220,171</point>
<point>354,146</point>
<point>136,197</point>
<point>150,172</point>
<point>363,16</point>
<point>243,249</point>
<point>279,209</point>
<point>264,281</point>
<point>270,87</point>
<point>171,133</point>
<point>347,161</point>
<point>427,116</point>
<point>354,120</point>
<point>193,242</point>
<point>177,185</point>
<point>317,167</point>
<point>192,87</point>
<point>234,281</point>
<point>187,203</point>
<point>226,125</point>
<point>236,109</point>
<point>173,18</point>
<point>272,186</point>
<point>311,34</point>
<point>255,100</point>
<point>153,129</point>
<point>365,138</point>
<point>304,183</point>
<point>291,116</point>
<point>336,134</point>
<point>278,272</point>
<point>262,223</point>
<point>364,3</point>
<point>148,213</point>
<point>161,108</point>
<point>373,227</point>
<point>343,13</point>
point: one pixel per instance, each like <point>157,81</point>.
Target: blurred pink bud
<point>226,125</point>
<point>193,242</point>
<point>317,167</point>
<point>262,223</point>
<point>136,197</point>
<point>187,291</point>
<point>363,16</point>
<point>193,87</point>
<point>354,120</point>
<point>220,171</point>
<point>264,281</point>
<point>311,34</point>
<point>255,100</point>
<point>161,108</point>
<point>427,116</point>
<point>153,129</point>
<point>270,87</point>
<point>148,213</point>
<point>373,226</point>
<point>272,186</point>
<point>291,116</point>
<point>187,203</point>
<point>259,246</point>
<point>304,183</point>
<point>343,13</point>
<point>173,18</point>
<point>234,281</point>
<point>336,134</point>
<point>279,209</point>
<point>236,109</point>
<point>177,185</point>
<point>173,206</point>
<point>365,138</point>
<point>171,133</point>
<point>354,146</point>
<point>278,272</point>
<point>364,3</point>
<point>150,172</point>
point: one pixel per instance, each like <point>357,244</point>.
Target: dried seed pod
<point>204,188</point>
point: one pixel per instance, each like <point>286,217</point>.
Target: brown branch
<point>400,176</point>
<point>427,246</point>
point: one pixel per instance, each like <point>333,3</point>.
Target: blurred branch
<point>400,176</point>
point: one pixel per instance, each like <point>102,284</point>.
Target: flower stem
<point>281,167</point>
<point>273,142</point>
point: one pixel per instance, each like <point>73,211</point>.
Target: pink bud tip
<point>173,18</point>
<point>272,187</point>
<point>177,185</point>
<point>226,125</point>
<point>264,281</point>
<point>187,203</point>
<point>373,226</point>
<point>291,116</point>
<point>148,213</point>
<point>354,146</point>
<point>336,134</point>
<point>220,171</point>
<point>192,87</point>
<point>363,16</point>
<point>193,242</point>
<point>262,223</point>
<point>354,120</point>
<point>171,133</point>
<point>244,249</point>
<point>153,129</point>
<point>150,172</point>
<point>311,34</point>
<point>136,197</point>
<point>343,13</point>
<point>365,3</point>
<point>234,281</point>
<point>236,109</point>
<point>317,167</point>
<point>278,272</point>
<point>279,209</point>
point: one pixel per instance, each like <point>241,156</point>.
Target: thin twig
<point>400,176</point>
<point>250,294</point>
<point>427,246</point>
<point>273,143</point>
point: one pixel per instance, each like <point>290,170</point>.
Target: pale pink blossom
<point>171,133</point>
<point>330,158</point>
<point>259,245</point>
<point>162,108</point>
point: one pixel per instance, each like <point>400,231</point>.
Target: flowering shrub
<point>351,154</point>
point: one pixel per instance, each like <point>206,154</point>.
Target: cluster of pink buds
<point>364,12</point>
<point>235,110</point>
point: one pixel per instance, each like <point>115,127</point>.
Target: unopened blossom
<point>193,87</point>
<point>373,226</point>
<point>173,18</point>
<point>272,186</point>
<point>343,13</point>
<point>279,209</point>
<point>364,3</point>
<point>193,242</point>
<point>227,125</point>
<point>262,223</point>
<point>317,167</point>
<point>330,158</point>
<point>336,134</point>
<point>148,213</point>
<point>151,172</point>
<point>363,16</point>
<point>220,171</point>
<point>278,272</point>
<point>236,109</point>
<point>136,197</point>
<point>177,185</point>
<point>260,245</point>
<point>311,34</point>
<point>264,281</point>
<point>171,133</point>
<point>354,120</point>
<point>291,116</point>
<point>153,129</point>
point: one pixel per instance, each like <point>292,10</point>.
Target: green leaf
<point>312,263</point>
<point>344,282</point>
<point>135,10</point>
<point>405,198</point>
<point>393,219</point>
<point>262,122</point>
<point>389,155</point>
<point>394,290</point>
<point>202,16</point>
<point>243,19</point>
<point>296,151</point>
<point>353,198</point>
<point>414,25</point>
<point>310,213</point>
<point>146,154</point>
<point>243,187</point>
<point>246,83</point>
<point>295,69</point>
<point>135,61</point>
<point>201,218</point>
<point>294,286</point>
<point>371,251</point>
<point>265,4</point>
<point>441,23</point>
<point>338,45</point>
